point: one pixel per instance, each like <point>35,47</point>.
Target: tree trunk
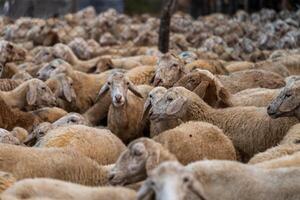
<point>164,29</point>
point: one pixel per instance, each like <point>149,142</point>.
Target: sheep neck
<point>120,115</point>
<point>15,98</point>
<point>200,111</point>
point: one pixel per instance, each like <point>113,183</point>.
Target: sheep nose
<point>111,176</point>
<point>118,97</point>
<point>38,74</point>
<point>157,81</point>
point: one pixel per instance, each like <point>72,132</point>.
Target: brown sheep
<point>250,128</point>
<point>31,94</point>
<point>126,111</point>
<point>134,164</point>
<point>9,84</point>
<point>57,163</point>
<point>98,144</point>
<point>42,188</point>
<point>194,141</point>
<point>10,118</point>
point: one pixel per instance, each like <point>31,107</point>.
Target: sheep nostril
<point>118,98</point>
<point>111,176</point>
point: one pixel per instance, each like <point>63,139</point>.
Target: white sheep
<point>221,180</point>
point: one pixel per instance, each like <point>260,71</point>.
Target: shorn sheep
<point>220,180</point>
<point>42,188</point>
<point>250,128</point>
<point>98,144</point>
<point>126,111</point>
<point>57,163</point>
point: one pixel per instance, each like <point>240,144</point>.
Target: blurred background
<point>54,8</point>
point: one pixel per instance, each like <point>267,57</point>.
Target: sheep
<point>9,84</point>
<point>57,163</point>
<point>41,188</point>
<point>239,66</point>
<point>154,95</point>
<point>214,66</point>
<point>226,180</point>
<point>85,97</point>
<point>31,94</point>
<point>126,111</point>
<point>10,118</point>
<point>287,146</point>
<point>133,62</point>
<point>171,69</point>
<point>62,86</point>
<point>98,144</point>
<point>194,141</point>
<point>212,91</point>
<point>17,136</point>
<point>250,128</point>
<point>141,75</point>
<point>290,61</point>
<point>42,129</point>
<point>286,103</point>
<point>11,52</point>
<point>6,180</point>
<point>292,160</point>
<point>242,80</point>
<point>134,164</point>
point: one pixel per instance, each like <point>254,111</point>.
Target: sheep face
<point>131,167</point>
<point>171,181</point>
<point>169,70</point>
<point>154,95</point>
<point>119,85</point>
<point>10,52</point>
<point>53,68</point>
<point>62,51</point>
<point>287,102</point>
<point>38,132</point>
<point>62,86</point>
<point>171,106</point>
<point>71,118</point>
<point>39,94</point>
<point>44,55</point>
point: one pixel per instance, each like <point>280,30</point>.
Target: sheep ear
<point>152,161</point>
<point>176,106</point>
<point>145,192</point>
<point>223,95</point>
<point>102,92</point>
<point>31,95</point>
<point>68,91</point>
<point>197,189</point>
<point>147,107</point>
<point>134,90</point>
<point>200,90</point>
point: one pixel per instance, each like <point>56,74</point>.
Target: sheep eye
<point>108,83</point>
<point>43,88</point>
<point>151,96</point>
<point>170,99</point>
<point>152,183</point>
<point>185,179</point>
<point>73,120</point>
<point>175,65</point>
<point>288,95</point>
<point>52,67</point>
<point>127,83</point>
<point>41,134</point>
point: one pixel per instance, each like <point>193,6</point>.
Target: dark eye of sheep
<point>288,95</point>
<point>41,133</point>
<point>43,88</point>
<point>127,83</point>
<point>175,65</point>
<point>151,96</point>
<point>52,67</point>
<point>152,183</point>
<point>72,120</point>
<point>108,83</point>
<point>185,179</point>
<point>170,98</point>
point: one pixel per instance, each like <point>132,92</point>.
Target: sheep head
<point>43,55</point>
<point>170,69</point>
<point>64,52</point>
<point>154,95</point>
<point>39,94</point>
<point>288,101</point>
<point>62,86</point>
<point>119,85</point>
<point>71,118</point>
<point>11,52</point>
<point>171,181</point>
<point>53,68</point>
<point>38,132</point>
<point>206,86</point>
<point>133,165</point>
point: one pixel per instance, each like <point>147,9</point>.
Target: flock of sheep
<point>90,109</point>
